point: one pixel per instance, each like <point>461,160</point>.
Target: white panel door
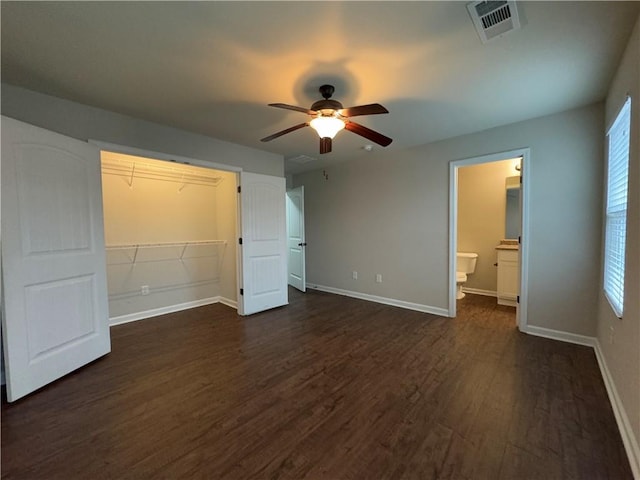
<point>295,238</point>
<point>264,243</point>
<point>55,316</point>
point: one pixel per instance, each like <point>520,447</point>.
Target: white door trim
<point>525,153</point>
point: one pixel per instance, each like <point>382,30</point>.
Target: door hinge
<point>242,291</point>
<point>519,239</point>
<point>520,179</point>
<point>239,189</point>
<point>518,299</point>
<point>240,241</point>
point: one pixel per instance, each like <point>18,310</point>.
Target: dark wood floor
<point>326,388</point>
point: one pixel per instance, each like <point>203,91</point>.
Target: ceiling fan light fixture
<point>327,126</point>
<point>329,117</point>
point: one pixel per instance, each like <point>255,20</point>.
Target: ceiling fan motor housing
<point>327,104</point>
<point>326,107</point>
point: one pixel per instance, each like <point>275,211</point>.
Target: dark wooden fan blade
<point>368,133</point>
<point>371,109</point>
<point>284,132</point>
<point>293,107</point>
<point>325,145</point>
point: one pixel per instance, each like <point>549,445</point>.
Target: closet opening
<point>170,236</point>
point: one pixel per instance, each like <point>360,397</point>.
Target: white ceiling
<point>212,67</point>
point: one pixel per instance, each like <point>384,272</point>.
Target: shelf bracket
<point>133,171</point>
<point>184,184</point>
<point>184,248</point>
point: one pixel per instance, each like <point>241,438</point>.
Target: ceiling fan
<point>330,117</point>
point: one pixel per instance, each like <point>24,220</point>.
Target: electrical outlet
<point>144,290</point>
<point>378,278</point>
<point>354,275</point>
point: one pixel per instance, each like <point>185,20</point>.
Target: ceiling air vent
<point>493,19</point>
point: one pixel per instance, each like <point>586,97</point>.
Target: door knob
<point>303,244</point>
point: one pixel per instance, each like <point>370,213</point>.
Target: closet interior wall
<point>170,233</point>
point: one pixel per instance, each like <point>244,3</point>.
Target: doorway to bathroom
<point>488,216</point>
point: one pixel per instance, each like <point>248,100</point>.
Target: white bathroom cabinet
<point>508,273</point>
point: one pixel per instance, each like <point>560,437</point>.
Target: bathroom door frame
<point>523,251</point>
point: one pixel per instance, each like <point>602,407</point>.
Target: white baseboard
<point>626,432</point>
<point>560,335</point>
<point>442,312</point>
<point>479,291</point>
<point>132,317</point>
<point>228,302</point>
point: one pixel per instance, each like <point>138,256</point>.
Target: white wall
<point>622,357</point>
<point>85,123</point>
<point>481,217</point>
<point>388,213</point>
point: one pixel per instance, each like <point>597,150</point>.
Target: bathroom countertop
<point>507,247</point>
<point>508,244</point>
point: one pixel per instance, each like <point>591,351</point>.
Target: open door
<point>522,224</point>
<point>295,238</point>
<point>55,316</point>
<point>264,243</point>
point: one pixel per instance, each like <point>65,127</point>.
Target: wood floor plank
<point>328,387</point>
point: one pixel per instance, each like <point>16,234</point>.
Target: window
<point>616,212</point>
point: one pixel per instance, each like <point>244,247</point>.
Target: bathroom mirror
<point>512,212</point>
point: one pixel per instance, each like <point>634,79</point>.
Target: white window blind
<point>616,212</point>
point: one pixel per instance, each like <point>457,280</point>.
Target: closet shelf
<point>177,173</point>
<point>173,251</point>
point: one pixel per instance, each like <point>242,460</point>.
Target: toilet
<point>465,265</point>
